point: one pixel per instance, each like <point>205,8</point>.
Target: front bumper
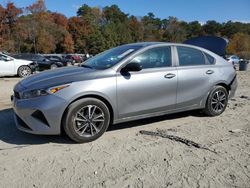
<point>34,67</point>
<point>233,87</point>
<point>40,115</point>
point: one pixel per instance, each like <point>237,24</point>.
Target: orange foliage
<point>37,7</point>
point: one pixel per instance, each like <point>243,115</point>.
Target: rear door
<point>153,89</point>
<point>195,74</point>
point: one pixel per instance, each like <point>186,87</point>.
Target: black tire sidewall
<point>73,109</point>
<point>208,110</point>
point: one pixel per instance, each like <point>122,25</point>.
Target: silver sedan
<point>129,82</point>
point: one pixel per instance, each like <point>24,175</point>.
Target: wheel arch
<point>96,96</point>
<point>226,86</point>
<point>221,83</point>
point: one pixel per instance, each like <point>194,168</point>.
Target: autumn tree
<point>2,16</point>
<point>60,20</point>
<point>44,32</point>
<point>136,29</point>
<point>37,7</point>
<point>9,18</point>
<point>94,29</point>
<point>240,45</point>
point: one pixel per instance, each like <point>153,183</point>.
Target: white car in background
<point>233,59</point>
<point>10,66</point>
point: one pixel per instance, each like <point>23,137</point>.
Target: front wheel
<point>86,120</point>
<point>217,101</point>
<point>24,71</point>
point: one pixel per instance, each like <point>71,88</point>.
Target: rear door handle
<point>169,76</point>
<point>209,72</point>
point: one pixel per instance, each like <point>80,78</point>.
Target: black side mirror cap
<point>132,67</point>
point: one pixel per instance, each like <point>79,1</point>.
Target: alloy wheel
<point>24,71</point>
<point>219,101</point>
<point>88,121</point>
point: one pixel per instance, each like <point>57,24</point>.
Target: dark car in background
<point>43,62</point>
<point>64,61</point>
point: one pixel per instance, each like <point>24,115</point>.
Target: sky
<point>187,10</point>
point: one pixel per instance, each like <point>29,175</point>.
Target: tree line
<point>37,30</point>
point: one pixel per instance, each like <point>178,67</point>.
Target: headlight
<point>42,92</point>
<point>34,93</point>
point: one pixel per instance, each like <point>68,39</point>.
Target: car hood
<point>214,44</point>
<point>58,76</point>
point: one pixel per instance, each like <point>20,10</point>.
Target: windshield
<point>110,57</point>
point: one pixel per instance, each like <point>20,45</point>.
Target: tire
<point>53,66</point>
<point>216,105</point>
<point>77,123</point>
<point>24,71</point>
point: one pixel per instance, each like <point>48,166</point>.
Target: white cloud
<point>242,21</point>
<point>202,23</point>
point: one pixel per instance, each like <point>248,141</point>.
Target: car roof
<point>146,44</point>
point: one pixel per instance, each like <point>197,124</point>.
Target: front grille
<point>22,123</point>
<point>17,95</point>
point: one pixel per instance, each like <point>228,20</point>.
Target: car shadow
<point>11,135</point>
<point>142,122</point>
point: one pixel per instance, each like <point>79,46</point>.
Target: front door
<point>153,89</point>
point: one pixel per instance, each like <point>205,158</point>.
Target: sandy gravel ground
<point>123,157</point>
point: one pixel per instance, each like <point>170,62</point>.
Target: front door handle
<point>209,72</point>
<point>169,76</point>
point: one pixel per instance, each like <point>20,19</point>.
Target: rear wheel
<point>24,71</point>
<point>217,101</point>
<point>86,120</point>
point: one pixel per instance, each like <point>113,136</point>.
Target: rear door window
<point>210,59</point>
<point>190,56</point>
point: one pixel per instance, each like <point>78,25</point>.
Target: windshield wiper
<point>86,66</point>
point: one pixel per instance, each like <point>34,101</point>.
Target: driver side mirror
<point>132,67</point>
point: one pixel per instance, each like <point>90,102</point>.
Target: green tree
<point>151,27</point>
<point>212,27</point>
<point>116,26</point>
<point>174,30</point>
<point>194,29</point>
